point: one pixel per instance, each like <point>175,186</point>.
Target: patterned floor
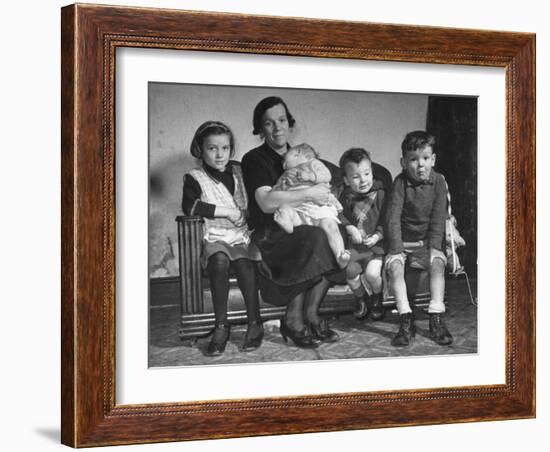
<point>358,339</point>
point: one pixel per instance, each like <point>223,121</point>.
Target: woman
<point>294,265</point>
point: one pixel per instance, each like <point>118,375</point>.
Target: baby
<point>304,169</point>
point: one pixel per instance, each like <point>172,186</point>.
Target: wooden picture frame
<point>90,37</point>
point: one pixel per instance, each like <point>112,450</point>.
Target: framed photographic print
<point>279,225</point>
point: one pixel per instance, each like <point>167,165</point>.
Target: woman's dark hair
<point>354,155</point>
<point>205,130</point>
<point>263,106</point>
<point>418,139</point>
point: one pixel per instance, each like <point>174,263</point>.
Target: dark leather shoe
<point>219,339</point>
<point>254,337</point>
<point>362,307</point>
<point>438,331</point>
<point>302,339</point>
<point>407,331</point>
<point>377,311</point>
<point>323,332</point>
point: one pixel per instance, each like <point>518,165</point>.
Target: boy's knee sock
<point>399,289</point>
<point>437,286</point>
<point>403,306</point>
<point>367,285</point>
<point>436,307</point>
<point>356,286</point>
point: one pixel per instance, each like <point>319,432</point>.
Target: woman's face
<point>275,127</point>
<point>216,150</point>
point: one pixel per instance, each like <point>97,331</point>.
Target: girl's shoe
<point>219,339</point>
<point>302,339</point>
<point>254,336</point>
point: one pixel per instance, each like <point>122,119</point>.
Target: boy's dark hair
<point>418,139</point>
<point>354,155</point>
<point>263,106</point>
<point>207,129</point>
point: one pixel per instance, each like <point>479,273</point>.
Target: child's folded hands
<point>354,235</point>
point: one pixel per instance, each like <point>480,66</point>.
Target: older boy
<point>415,231</point>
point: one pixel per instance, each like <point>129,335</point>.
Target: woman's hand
<point>319,194</point>
<point>270,200</point>
<point>354,234</point>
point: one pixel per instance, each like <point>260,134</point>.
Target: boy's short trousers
<point>420,257</point>
<point>360,258</point>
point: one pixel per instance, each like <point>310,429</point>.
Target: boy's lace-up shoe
<point>377,311</point>
<point>438,331</point>
<point>407,331</point>
<point>361,307</point>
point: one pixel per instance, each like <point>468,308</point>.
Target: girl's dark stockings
<point>218,274</point>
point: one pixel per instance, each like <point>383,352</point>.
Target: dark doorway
<point>453,121</point>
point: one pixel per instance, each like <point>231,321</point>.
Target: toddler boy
<point>363,202</point>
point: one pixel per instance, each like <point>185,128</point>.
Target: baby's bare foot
<point>343,259</point>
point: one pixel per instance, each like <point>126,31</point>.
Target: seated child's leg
<point>438,331</point>
<point>218,274</point>
<point>246,279</point>
<point>286,217</point>
<point>398,287</point>
<point>407,328</point>
<point>373,275</point>
<point>335,241</point>
<point>353,278</point>
<point>437,282</point>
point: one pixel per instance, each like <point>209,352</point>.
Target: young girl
<point>216,192</point>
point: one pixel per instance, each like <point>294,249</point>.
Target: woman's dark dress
<point>292,263</point>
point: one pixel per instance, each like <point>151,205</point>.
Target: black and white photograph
<point>204,243</point>
<point>292,224</point>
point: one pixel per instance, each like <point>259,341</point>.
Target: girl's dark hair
<point>418,139</point>
<point>205,130</point>
<point>263,106</point>
<point>354,155</point>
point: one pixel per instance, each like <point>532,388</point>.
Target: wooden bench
<point>197,316</point>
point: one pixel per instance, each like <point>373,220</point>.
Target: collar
<point>413,183</point>
<point>216,174</point>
